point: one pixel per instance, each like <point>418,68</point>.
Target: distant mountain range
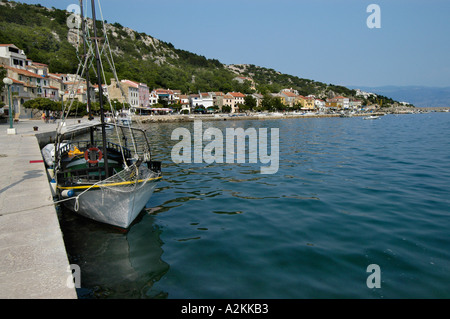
<point>420,96</point>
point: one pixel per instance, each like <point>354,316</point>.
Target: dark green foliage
<point>42,104</point>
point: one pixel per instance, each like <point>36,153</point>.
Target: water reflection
<point>115,264</point>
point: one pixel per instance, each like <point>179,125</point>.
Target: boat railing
<point>84,175</point>
<point>82,145</point>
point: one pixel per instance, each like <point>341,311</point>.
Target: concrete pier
<point>33,258</point>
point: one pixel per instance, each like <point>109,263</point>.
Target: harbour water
<point>349,193</point>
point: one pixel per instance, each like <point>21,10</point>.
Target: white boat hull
<point>112,205</point>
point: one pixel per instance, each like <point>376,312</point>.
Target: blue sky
<point>322,40</point>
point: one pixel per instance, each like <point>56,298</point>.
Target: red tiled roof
<point>236,94</point>
<point>17,82</point>
<point>290,94</point>
<point>39,64</point>
<point>131,83</point>
<point>25,72</point>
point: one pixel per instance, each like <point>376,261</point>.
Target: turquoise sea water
<point>348,193</point>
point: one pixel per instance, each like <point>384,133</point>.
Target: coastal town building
<point>176,96</point>
<point>218,99</point>
<point>30,80</point>
<point>355,104</point>
<point>165,96</point>
<point>125,92</point>
<point>152,98</point>
<point>258,97</point>
<point>319,104</point>
<point>11,55</point>
<point>131,92</point>
<point>185,104</point>
<point>26,86</point>
<point>291,90</point>
<point>197,101</point>
<point>233,100</point>
<point>339,102</point>
<point>289,97</point>
<point>143,94</point>
<point>306,102</point>
<point>228,100</point>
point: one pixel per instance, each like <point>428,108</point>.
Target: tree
<point>250,102</point>
<point>176,107</point>
<point>267,102</point>
<point>226,109</point>
<point>243,107</point>
<point>42,104</point>
<point>278,105</point>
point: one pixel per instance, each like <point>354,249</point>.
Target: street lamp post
<point>8,83</point>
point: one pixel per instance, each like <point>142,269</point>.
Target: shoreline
<point>226,117</point>
<point>272,116</point>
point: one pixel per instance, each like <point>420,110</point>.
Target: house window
<point>17,62</point>
<point>10,49</point>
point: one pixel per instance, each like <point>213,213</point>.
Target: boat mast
<point>100,90</point>
<point>88,89</point>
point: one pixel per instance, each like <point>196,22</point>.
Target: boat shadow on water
<point>129,261</point>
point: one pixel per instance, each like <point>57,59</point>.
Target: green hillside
<point>44,36</point>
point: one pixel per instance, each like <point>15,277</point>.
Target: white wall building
<point>319,104</point>
<point>10,55</point>
<point>201,99</point>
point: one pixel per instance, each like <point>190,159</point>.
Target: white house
<point>319,104</point>
<point>153,98</point>
<point>185,104</point>
<point>201,99</point>
<point>12,56</point>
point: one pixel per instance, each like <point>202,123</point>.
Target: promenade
<point>33,258</point>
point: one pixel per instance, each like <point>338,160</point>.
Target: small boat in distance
<point>124,117</point>
<point>372,117</point>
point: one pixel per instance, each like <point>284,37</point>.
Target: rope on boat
<point>38,207</point>
<point>76,198</point>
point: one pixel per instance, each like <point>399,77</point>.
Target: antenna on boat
<point>100,90</point>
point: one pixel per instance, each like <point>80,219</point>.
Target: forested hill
<point>44,36</point>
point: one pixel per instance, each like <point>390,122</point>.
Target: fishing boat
<point>108,180</point>
<point>105,175</point>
